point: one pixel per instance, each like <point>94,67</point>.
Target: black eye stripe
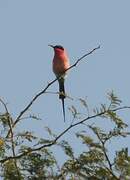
<point>58,46</point>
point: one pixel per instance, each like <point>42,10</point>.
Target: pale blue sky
<point>26,29</point>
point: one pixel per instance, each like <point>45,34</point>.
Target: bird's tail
<point>61,88</point>
<point>62,94</point>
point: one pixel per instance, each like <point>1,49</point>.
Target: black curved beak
<point>51,45</point>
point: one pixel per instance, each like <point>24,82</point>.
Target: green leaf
<point>88,141</point>
<point>44,141</point>
<point>114,100</point>
<point>67,148</point>
<point>118,121</point>
<point>122,162</point>
<point>73,110</point>
<point>27,135</point>
<point>50,132</point>
<point>83,102</point>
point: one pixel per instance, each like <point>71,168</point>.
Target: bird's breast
<point>60,64</point>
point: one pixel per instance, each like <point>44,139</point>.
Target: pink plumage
<point>60,65</point>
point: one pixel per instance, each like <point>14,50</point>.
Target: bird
<point>60,65</point>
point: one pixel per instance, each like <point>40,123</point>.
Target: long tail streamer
<point>62,94</point>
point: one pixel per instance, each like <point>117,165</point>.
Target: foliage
<point>27,156</point>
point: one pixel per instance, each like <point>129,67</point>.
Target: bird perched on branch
<point>60,65</point>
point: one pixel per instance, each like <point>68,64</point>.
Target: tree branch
<point>109,168</point>
<point>44,90</point>
<point>30,150</point>
<point>12,136</point>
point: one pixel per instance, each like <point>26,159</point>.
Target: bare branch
<point>81,58</point>
<point>44,90</point>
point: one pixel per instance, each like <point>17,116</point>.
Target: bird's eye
<point>59,47</point>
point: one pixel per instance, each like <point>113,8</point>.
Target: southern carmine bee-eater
<point>60,65</point>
